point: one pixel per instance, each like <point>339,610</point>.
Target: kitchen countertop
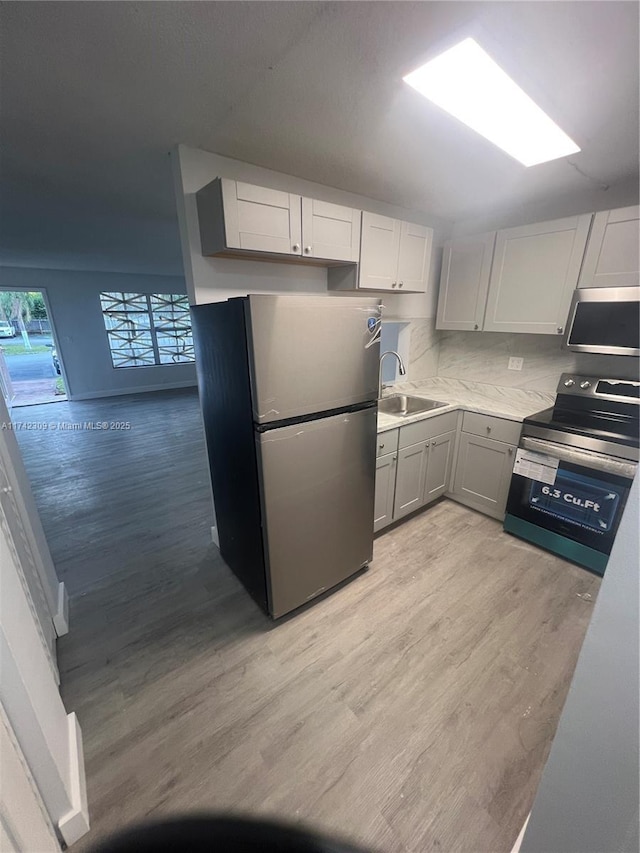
<point>514,404</point>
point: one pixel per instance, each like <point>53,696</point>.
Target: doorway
<point>31,370</point>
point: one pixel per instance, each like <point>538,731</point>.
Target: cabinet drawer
<point>499,429</point>
<point>387,442</point>
<point>429,428</point>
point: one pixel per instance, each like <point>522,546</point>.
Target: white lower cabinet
<point>483,474</point>
<point>412,462</point>
<point>486,453</point>
<point>385,490</point>
<point>414,475</point>
<point>439,465</point>
<point>423,473</point>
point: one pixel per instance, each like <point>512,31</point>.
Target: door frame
<point>54,335</point>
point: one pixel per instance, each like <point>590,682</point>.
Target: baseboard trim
<point>61,616</point>
<point>141,389</point>
<point>75,823</point>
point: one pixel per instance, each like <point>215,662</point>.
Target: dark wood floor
<point>116,501</point>
<point>411,711</point>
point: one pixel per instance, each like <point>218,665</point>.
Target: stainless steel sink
<point>403,405</point>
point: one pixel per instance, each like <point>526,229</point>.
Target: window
<point>147,329</point>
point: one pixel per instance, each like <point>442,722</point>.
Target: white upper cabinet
<point>330,231</point>
<point>260,219</point>
<point>464,282</point>
<point>613,251</point>
<point>534,273</point>
<point>237,218</point>
<point>414,256</point>
<point>379,248</point>
<point>394,255</point>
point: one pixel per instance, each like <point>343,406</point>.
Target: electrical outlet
<point>515,364</point>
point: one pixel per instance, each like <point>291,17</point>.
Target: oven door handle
<point>595,461</point>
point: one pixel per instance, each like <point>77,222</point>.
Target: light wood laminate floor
<point>413,710</point>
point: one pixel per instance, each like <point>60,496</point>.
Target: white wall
<point>73,298</point>
<point>215,279</point>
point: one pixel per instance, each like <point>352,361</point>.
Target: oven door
<point>573,510</point>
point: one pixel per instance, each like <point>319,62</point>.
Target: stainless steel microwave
<point>605,320</point>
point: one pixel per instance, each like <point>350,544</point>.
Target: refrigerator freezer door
<point>309,354</point>
<point>318,481</point>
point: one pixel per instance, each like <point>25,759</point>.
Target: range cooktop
<point>605,410</point>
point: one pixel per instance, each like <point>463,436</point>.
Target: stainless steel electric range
<point>574,468</point>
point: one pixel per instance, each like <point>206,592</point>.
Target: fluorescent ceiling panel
<point>467,83</point>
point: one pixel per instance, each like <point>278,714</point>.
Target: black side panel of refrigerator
<point>225,396</point>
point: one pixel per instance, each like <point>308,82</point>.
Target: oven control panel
<point>625,390</point>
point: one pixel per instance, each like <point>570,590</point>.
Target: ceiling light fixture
<point>469,85</point>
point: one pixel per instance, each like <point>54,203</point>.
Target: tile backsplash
<point>424,349</point>
<point>484,356</point>
<point>418,343</point>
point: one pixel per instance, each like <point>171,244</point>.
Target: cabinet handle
<point>400,284</point>
<point>393,283</point>
<point>381,447</point>
<point>296,247</point>
<point>511,451</point>
<point>475,327</point>
<point>394,458</point>
<point>488,429</point>
<point>307,249</point>
<point>433,444</point>
<point>560,330</point>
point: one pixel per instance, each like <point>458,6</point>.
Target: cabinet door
<point>439,462</point>
<point>379,245</point>
<point>464,282</point>
<point>330,231</point>
<point>385,490</point>
<point>535,271</point>
<point>414,256</point>
<point>483,473</point>
<point>260,219</point>
<point>613,250</point>
<point>412,463</point>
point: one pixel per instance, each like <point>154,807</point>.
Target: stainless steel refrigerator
<point>288,387</point>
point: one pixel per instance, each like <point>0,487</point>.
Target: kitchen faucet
<point>401,368</point>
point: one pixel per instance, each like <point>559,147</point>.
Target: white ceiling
<point>95,94</point>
